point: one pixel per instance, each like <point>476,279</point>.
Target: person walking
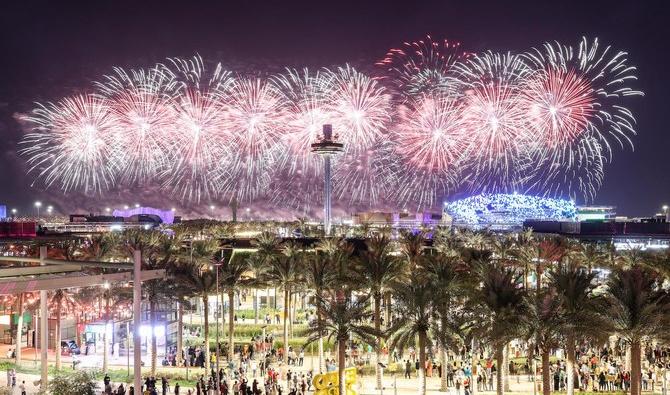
<point>408,369</point>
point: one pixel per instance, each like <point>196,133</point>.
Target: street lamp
<point>125,207</point>
<point>248,213</point>
<point>211,211</point>
<point>107,210</point>
<point>38,204</point>
<point>14,212</point>
<point>137,205</point>
<point>50,209</point>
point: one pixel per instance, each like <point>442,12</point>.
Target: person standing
<point>176,389</point>
<point>22,388</point>
<point>408,369</point>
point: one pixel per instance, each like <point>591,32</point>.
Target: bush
<point>79,382</point>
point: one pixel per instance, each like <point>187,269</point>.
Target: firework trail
<point>73,144</point>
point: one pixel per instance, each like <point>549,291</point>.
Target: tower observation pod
<point>327,147</point>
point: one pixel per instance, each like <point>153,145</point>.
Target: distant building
<point>507,212</point>
<point>398,220</point>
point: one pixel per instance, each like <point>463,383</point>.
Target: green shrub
<point>79,382</point>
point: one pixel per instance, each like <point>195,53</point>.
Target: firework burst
<point>73,144</point>
<point>140,101</point>
<point>422,66</point>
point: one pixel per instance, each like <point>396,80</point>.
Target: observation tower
<point>327,147</point>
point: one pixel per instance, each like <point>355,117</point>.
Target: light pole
<point>665,212</point>
<point>211,211</point>
<point>13,214</point>
<point>38,204</point>
<point>50,209</point>
<point>327,147</point>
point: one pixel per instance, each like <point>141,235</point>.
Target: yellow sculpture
<point>328,383</point>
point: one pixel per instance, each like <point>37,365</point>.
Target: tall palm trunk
<point>287,302</point>
<point>570,365</point>
<point>443,363</point>
<point>422,363</point>
<point>388,310</point>
<point>180,331</point>
<point>19,330</point>
<point>635,367</point>
<point>322,362</point>
<point>341,365</point>
<point>255,306</point>
<point>546,375</point>
<point>105,340</point>
<point>57,329</point>
<point>378,346</point>
<point>500,390</point>
<point>152,320</point>
<point>505,368</point>
<point>231,325</point>
<point>205,300</point>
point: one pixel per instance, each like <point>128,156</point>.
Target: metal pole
<point>137,321</point>
<point>44,331</point>
<point>326,193</point>
<point>218,354</point>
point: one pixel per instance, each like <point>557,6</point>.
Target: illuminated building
<point>507,211</point>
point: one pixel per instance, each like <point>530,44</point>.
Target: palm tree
<point>61,301</point>
<point>161,255</point>
<point>415,314</point>
<point>259,268</point>
<point>639,310</point>
<point>196,275</point>
<point>574,288</point>
<point>285,270</point>
<point>501,309</point>
<point>545,326</point>
<point>377,269</point>
<point>442,271</point>
<point>411,246</point>
<point>342,318</point>
<point>319,277</point>
<point>232,275</point>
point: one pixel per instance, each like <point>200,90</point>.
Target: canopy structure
<point>44,274</point>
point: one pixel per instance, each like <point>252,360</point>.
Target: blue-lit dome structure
<point>507,211</point>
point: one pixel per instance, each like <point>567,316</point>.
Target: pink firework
<point>359,107</point>
<point>141,102</point>
<point>495,119</point>
<point>73,144</point>
<point>305,102</point>
<point>254,122</point>
<point>422,66</point>
<point>561,105</point>
<point>430,139</point>
<point>198,143</point>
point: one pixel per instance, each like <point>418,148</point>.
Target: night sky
<point>52,50</point>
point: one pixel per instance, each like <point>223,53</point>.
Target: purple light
<point>167,216</point>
